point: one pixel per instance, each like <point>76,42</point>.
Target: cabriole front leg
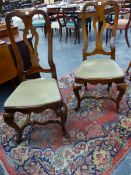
<point>62,112</point>
<point>9,120</point>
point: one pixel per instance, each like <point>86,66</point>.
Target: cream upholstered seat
<point>107,68</point>
<point>35,92</point>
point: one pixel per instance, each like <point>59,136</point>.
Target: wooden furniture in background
<point>57,20</point>
<point>70,21</point>
<point>7,67</point>
<point>104,70</point>
<point>4,32</point>
<point>124,23</point>
<point>7,57</point>
<point>34,95</point>
<point>20,44</point>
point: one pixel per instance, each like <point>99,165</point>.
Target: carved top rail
<point>99,25</point>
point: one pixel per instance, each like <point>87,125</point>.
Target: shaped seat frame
<point>99,18</point>
<point>59,107</point>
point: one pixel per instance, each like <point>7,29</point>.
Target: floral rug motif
<point>99,137</point>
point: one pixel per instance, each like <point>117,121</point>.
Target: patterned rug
<point>5,167</point>
<point>99,137</point>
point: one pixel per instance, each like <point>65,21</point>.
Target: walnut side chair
<point>35,95</point>
<point>104,71</point>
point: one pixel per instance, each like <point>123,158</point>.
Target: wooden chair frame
<point>58,107</point>
<point>100,18</point>
<point>122,11</point>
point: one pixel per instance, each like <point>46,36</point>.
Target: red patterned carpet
<point>99,137</point>
<point>5,167</point>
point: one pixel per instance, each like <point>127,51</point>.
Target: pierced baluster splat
<point>99,25</point>
<point>100,21</point>
<point>32,46</point>
<point>29,29</point>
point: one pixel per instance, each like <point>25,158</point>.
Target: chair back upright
<point>27,18</point>
<point>100,10</point>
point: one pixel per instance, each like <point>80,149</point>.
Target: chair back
<point>100,11</point>
<point>27,18</point>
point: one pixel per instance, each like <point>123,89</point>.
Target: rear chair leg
<point>89,26</point>
<point>75,33</point>
<point>107,35</point>
<point>76,92</point>
<point>66,35</point>
<point>60,32</point>
<point>109,86</point>
<point>121,88</point>
<point>126,36</point>
<point>85,84</point>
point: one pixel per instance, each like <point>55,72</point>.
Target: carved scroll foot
<point>63,115</point>
<point>121,88</point>
<point>76,92</point>
<point>9,120</point>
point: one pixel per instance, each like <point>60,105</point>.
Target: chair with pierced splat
<point>35,95</point>
<point>104,70</point>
